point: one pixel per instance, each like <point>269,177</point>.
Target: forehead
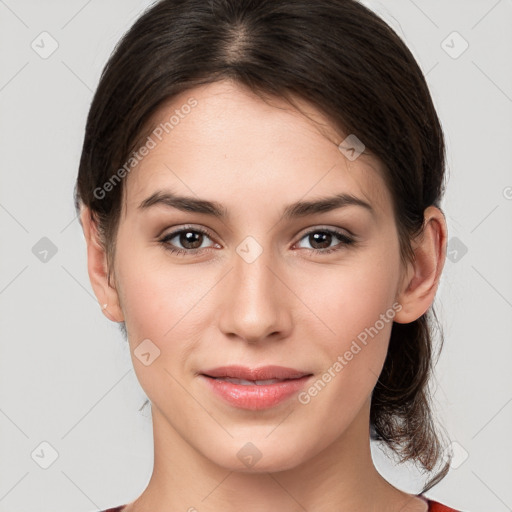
<point>220,141</point>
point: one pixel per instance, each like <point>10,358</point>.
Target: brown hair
<point>345,61</point>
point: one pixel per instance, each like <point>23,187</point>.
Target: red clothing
<point>433,506</point>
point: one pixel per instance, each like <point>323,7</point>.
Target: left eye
<point>324,237</point>
<point>192,240</point>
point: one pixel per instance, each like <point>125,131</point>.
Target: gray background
<point>66,377</point>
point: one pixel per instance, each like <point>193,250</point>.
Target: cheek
<point>156,294</point>
<point>360,313</point>
<point>162,306</point>
<point>357,306</point>
<point>171,305</point>
<point>351,298</point>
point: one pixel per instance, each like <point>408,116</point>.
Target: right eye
<point>190,238</point>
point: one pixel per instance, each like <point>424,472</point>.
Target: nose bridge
<point>252,275</point>
<point>254,308</point>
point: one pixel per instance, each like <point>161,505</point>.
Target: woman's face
<point>259,288</point>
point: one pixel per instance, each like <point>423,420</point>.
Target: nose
<point>256,302</point>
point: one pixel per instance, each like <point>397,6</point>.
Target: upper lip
<point>260,373</point>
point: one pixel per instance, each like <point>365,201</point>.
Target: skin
<point>290,307</point>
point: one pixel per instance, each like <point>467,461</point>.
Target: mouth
<point>255,375</point>
<point>244,382</point>
<point>257,388</point>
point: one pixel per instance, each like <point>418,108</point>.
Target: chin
<point>264,456</point>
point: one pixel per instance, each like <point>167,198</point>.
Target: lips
<point>244,382</point>
<point>251,376</point>
<point>254,388</point>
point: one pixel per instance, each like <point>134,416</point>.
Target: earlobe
<point>423,274</point>
<point>98,269</point>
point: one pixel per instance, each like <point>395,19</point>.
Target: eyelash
<point>345,241</point>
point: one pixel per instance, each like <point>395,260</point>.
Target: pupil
<point>323,239</point>
<point>191,240</point>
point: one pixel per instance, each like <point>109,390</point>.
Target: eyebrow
<point>215,209</point>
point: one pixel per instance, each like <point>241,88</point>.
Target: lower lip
<point>255,397</point>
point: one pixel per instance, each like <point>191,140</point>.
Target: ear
<point>97,268</point>
<point>421,278</point>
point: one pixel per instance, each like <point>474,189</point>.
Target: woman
<point>259,190</point>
